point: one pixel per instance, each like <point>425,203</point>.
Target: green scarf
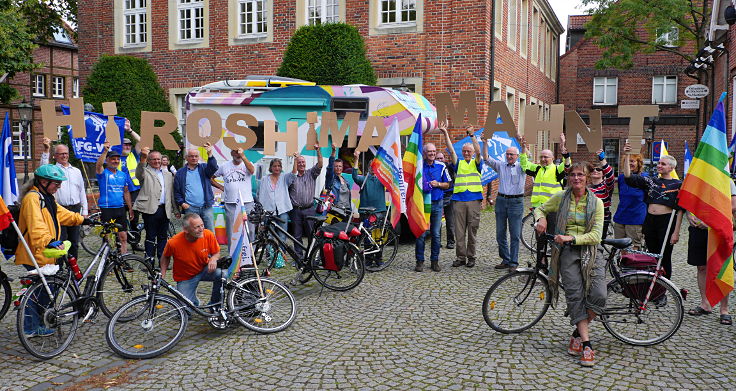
<point>588,251</point>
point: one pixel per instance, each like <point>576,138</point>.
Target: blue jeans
<point>188,288</point>
<point>207,215</point>
<point>435,227</point>
<point>509,212</point>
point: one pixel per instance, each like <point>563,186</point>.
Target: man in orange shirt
<point>195,252</point>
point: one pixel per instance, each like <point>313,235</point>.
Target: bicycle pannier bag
<point>638,261</point>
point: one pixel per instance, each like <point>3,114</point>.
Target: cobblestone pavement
<point>397,330</point>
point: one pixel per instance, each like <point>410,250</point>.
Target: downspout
<point>491,82</point>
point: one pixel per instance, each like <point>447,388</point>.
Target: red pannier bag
<point>333,244</point>
<point>645,263</point>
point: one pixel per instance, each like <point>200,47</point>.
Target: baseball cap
<point>127,141</point>
<point>112,153</point>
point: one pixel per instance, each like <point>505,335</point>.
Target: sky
<point>563,8</point>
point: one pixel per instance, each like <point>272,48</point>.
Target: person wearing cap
<point>128,164</point>
<point>40,220</point>
<point>114,192</point>
<point>72,194</point>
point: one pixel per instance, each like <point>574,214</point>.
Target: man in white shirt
<point>237,177</point>
<point>72,194</point>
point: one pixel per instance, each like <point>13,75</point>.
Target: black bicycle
<point>6,293</point>
<point>152,324</point>
<point>643,307</point>
<point>89,236</point>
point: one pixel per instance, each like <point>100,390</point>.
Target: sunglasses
<point>598,169</point>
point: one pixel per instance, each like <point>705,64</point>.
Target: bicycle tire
<point>624,319</point>
<point>6,295</point>
<point>118,286</point>
<point>274,313</point>
<point>528,234</point>
<point>388,241</point>
<point>516,302</point>
<point>46,311</point>
<point>89,236</point>
<point>346,278</point>
<point>131,330</point>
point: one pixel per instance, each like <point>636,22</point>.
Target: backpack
<point>9,237</point>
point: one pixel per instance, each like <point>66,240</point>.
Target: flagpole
<point>250,245</point>
<point>33,258</point>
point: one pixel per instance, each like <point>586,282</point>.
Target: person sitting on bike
<point>579,215</point>
<point>195,252</point>
<point>41,218</point>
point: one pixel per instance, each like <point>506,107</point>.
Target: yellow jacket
<point>37,227</point>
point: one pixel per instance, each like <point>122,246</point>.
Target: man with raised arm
<point>114,193</point>
<point>435,180</point>
<point>238,189</point>
<point>302,191</point>
<point>192,190</point>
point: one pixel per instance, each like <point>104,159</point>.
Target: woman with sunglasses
<point>602,183</point>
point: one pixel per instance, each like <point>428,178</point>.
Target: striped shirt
<point>511,176</point>
<point>301,190</point>
<point>604,190</point>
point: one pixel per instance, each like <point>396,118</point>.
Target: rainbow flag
<point>418,204</point>
<point>706,192</point>
<point>663,152</point>
<point>387,168</point>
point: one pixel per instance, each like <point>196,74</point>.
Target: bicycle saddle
<point>618,243</point>
<point>366,210</point>
<point>317,218</point>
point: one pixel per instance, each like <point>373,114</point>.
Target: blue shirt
<point>112,186</point>
<point>468,195</point>
<point>194,192</point>
<point>437,171</point>
<point>631,206</point>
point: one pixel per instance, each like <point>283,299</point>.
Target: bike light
<point>16,303</point>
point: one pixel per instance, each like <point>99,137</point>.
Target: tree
<point>623,28</point>
<point>132,84</point>
<point>332,53</point>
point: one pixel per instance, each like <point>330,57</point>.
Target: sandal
<point>698,311</point>
<point>726,319</point>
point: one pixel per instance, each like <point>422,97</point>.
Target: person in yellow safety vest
<point>467,196</point>
<point>128,164</point>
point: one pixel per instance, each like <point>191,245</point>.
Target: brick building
<point>430,46</point>
<point>57,78</point>
<point>655,78</point>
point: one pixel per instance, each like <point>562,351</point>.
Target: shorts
<point>697,246</point>
<point>118,214</point>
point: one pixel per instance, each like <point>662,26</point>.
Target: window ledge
<point>396,28</point>
<point>604,104</point>
<point>39,95</point>
<point>251,39</point>
<point>190,41</point>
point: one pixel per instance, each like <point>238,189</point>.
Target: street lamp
<point>651,134</point>
<point>25,112</point>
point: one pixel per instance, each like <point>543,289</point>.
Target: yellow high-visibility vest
<point>132,163</point>
<point>467,177</point>
<point>545,184</point>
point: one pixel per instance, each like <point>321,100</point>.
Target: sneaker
<point>378,263</point>
<point>501,266</point>
<point>419,267</point>
<point>458,263</point>
<point>576,346</point>
<point>450,246</point>
<point>588,357</point>
<point>471,263</point>
<point>44,332</point>
<point>30,334</point>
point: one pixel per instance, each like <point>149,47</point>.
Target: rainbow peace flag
<point>706,192</point>
<point>418,204</point>
<point>387,168</point>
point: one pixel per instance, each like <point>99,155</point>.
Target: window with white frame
<point>252,17</point>
<point>398,11</point>
<point>498,17</point>
<point>191,20</point>
<point>605,90</point>
<point>668,38</point>
<point>322,11</point>
<point>57,88</point>
<point>135,22</point>
<point>524,27</point>
<point>664,89</point>
<point>75,87</point>
<point>39,85</point>
<point>513,21</point>
<point>19,149</point>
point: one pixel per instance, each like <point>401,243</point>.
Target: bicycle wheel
<point>46,325</point>
<point>388,241</point>
<point>624,318</point>
<point>273,312</point>
<point>344,279</point>
<point>89,236</point>
<point>146,327</point>
<point>123,280</point>
<point>516,302</point>
<point>528,234</point>
<point>5,294</point>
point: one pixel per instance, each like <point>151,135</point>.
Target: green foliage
<point>132,84</point>
<point>332,53</point>
<point>623,28</point>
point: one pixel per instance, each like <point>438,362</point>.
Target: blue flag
<point>688,160</point>
<point>8,180</point>
<point>89,149</point>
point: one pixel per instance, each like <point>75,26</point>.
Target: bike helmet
<point>51,172</point>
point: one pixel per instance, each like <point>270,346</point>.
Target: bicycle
<point>269,245</point>
<point>643,308</point>
<point>6,293</point>
<point>58,301</point>
<point>529,234</point>
<point>151,325</point>
<point>89,236</point>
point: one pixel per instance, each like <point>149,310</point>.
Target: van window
<point>342,106</point>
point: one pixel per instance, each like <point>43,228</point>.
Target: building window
<point>322,11</point>
<point>664,89</point>
<point>512,23</point>
<point>75,87</point>
<point>668,38</point>
<point>58,87</point>
<point>535,35</point>
<point>19,147</point>
<point>136,26</point>
<point>605,90</point>
<point>524,27</point>
<point>510,103</point>
<point>39,85</point>
<point>498,17</point>
<point>252,17</point>
<point>191,20</point>
<point>398,11</point>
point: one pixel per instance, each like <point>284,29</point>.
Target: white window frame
<point>524,28</point>
<point>665,81</point>
<point>39,90</point>
<point>401,7</point>
<point>135,33</point>
<point>75,87</point>
<point>670,38</point>
<point>244,24</point>
<point>57,86</point>
<point>512,24</point>
<point>192,7</point>
<point>324,7</point>
<point>17,129</point>
<point>605,82</point>
<point>498,17</point>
